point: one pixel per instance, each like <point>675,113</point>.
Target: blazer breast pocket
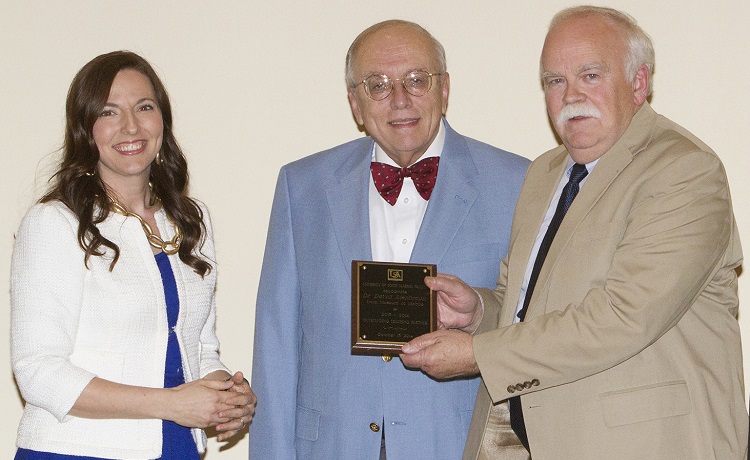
<point>649,402</point>
<point>477,264</point>
<point>592,247</point>
<point>594,232</point>
<point>471,253</point>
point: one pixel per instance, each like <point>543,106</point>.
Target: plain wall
<point>255,85</point>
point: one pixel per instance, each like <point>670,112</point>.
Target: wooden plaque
<point>390,306</point>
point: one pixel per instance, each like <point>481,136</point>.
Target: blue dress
<point>178,443</point>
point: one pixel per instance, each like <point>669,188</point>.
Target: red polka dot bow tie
<point>389,179</point>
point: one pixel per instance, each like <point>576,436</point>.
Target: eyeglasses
<point>417,83</point>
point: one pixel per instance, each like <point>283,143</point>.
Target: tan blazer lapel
<point>606,171</point>
<point>533,204</point>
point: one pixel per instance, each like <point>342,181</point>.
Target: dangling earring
<point>89,173</point>
<point>152,198</point>
<point>158,159</point>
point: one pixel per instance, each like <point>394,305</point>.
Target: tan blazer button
<point>387,358</point>
<point>519,386</point>
<point>527,384</point>
<point>374,427</point>
<point>535,382</point>
<point>511,389</point>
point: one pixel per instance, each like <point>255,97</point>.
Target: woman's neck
<point>135,198</point>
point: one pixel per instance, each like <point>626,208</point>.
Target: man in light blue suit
<point>315,399</point>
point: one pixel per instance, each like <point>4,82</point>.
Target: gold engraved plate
<point>390,306</point>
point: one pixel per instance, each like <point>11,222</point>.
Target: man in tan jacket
<point>612,333</point>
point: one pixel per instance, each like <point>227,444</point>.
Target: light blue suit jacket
<point>316,400</point>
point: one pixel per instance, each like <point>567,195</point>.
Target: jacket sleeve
<point>209,359</point>
<point>277,336</point>
<point>47,276</point>
<point>674,243</point>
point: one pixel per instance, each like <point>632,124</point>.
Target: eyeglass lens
<point>380,86</point>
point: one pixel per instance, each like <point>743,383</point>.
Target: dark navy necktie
<point>566,198</point>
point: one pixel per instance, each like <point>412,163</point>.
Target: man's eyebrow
<point>592,66</point>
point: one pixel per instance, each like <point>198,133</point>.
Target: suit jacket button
<point>511,389</point>
<point>374,427</point>
<point>387,358</point>
<point>535,382</point>
<point>519,386</point>
<point>527,384</point>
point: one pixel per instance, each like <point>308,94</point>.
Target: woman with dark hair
<point>112,287</point>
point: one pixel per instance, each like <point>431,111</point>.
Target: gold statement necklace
<point>169,247</point>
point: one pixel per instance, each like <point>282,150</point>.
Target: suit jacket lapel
<point>526,223</point>
<point>348,204</point>
<point>611,164</point>
<point>450,201</point>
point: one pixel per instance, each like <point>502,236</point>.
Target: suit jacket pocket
<point>471,253</point>
<point>466,419</point>
<point>307,424</point>
<point>595,231</point>
<point>649,402</point>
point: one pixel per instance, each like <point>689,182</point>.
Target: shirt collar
<point>589,166</point>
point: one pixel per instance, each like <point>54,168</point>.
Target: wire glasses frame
<point>416,83</point>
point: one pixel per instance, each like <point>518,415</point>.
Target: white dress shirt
<point>394,229</point>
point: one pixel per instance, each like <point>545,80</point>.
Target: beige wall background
<point>255,85</point>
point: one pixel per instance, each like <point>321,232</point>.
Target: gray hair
<point>349,70</point>
<point>640,46</point>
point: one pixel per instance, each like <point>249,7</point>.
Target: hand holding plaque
<point>390,306</point>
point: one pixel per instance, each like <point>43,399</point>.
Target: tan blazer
<point>631,347</point>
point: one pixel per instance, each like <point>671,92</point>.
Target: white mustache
<point>577,110</point>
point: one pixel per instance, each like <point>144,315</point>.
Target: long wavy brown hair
<point>80,188</point>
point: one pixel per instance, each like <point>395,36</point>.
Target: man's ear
<point>640,85</point>
<point>354,104</point>
<point>446,90</point>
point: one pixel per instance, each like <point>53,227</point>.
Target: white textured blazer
<point>70,324</point>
